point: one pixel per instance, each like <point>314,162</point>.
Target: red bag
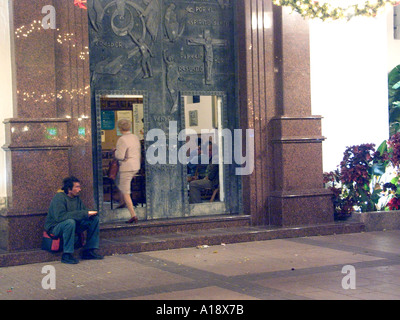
<point>113,169</point>
<point>51,243</point>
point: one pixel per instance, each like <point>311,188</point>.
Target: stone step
<point>112,244</point>
<point>220,236</point>
<point>162,226</point>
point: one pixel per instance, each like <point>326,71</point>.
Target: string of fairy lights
<point>23,33</point>
<point>61,94</point>
<point>336,9</point>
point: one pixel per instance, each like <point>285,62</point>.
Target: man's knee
<point>90,223</point>
<point>69,224</point>
<point>194,184</point>
<point>95,219</point>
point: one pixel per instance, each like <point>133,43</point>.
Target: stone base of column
<point>21,231</point>
<point>301,208</point>
<point>298,197</point>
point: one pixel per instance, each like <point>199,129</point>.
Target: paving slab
<point>304,268</point>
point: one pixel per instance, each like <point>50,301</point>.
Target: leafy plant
<point>356,184</point>
<point>343,205</point>
<point>356,174</point>
<point>392,153</point>
<point>394,100</point>
<point>350,183</point>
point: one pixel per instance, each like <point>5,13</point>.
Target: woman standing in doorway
<point>128,152</point>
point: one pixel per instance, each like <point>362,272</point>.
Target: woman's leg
<point>121,195</point>
<point>125,188</point>
<point>129,204</point>
<point>122,203</point>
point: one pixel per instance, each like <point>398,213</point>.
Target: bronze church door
<point>170,54</point>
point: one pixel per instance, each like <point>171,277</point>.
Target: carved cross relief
<point>208,43</point>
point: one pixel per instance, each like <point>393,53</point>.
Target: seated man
<point>211,179</point>
<point>68,215</point>
<point>197,163</point>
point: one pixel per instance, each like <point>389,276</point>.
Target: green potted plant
<point>394,100</point>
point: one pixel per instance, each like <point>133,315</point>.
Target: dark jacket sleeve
<point>213,174</point>
<point>60,210</point>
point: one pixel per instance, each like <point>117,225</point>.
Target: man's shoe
<point>91,255</point>
<point>68,258</point>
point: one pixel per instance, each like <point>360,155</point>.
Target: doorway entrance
<point>112,108</point>
<point>202,121</point>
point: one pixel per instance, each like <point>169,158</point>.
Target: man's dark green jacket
<point>62,208</point>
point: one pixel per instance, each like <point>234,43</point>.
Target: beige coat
<point>128,152</point>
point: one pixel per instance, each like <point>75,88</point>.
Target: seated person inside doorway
<point>128,152</point>
<point>197,162</point>
<point>68,215</point>
<point>210,180</point>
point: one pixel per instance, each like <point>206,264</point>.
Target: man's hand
<point>190,179</point>
<point>92,213</point>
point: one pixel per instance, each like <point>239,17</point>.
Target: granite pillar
<point>286,186</point>
<point>49,136</point>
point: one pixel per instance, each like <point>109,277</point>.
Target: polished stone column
<point>286,186</point>
<point>49,137</point>
<point>256,83</point>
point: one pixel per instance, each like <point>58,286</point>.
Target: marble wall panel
<point>33,53</point>
<point>300,165</point>
<point>298,127</point>
<point>301,209</point>
<point>36,175</point>
<point>31,133</point>
<point>21,233</point>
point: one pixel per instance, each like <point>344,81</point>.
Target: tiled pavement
<point>282,269</point>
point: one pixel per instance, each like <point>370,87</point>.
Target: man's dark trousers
<point>68,228</point>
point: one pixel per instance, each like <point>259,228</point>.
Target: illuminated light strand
<point>324,10</point>
<point>67,38</point>
<point>24,32</point>
<point>63,38</point>
<point>49,97</point>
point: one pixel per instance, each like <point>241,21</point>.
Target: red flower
<point>356,163</point>
<point>394,204</point>
<point>393,154</point>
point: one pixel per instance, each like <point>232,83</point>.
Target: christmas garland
<point>326,11</point>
